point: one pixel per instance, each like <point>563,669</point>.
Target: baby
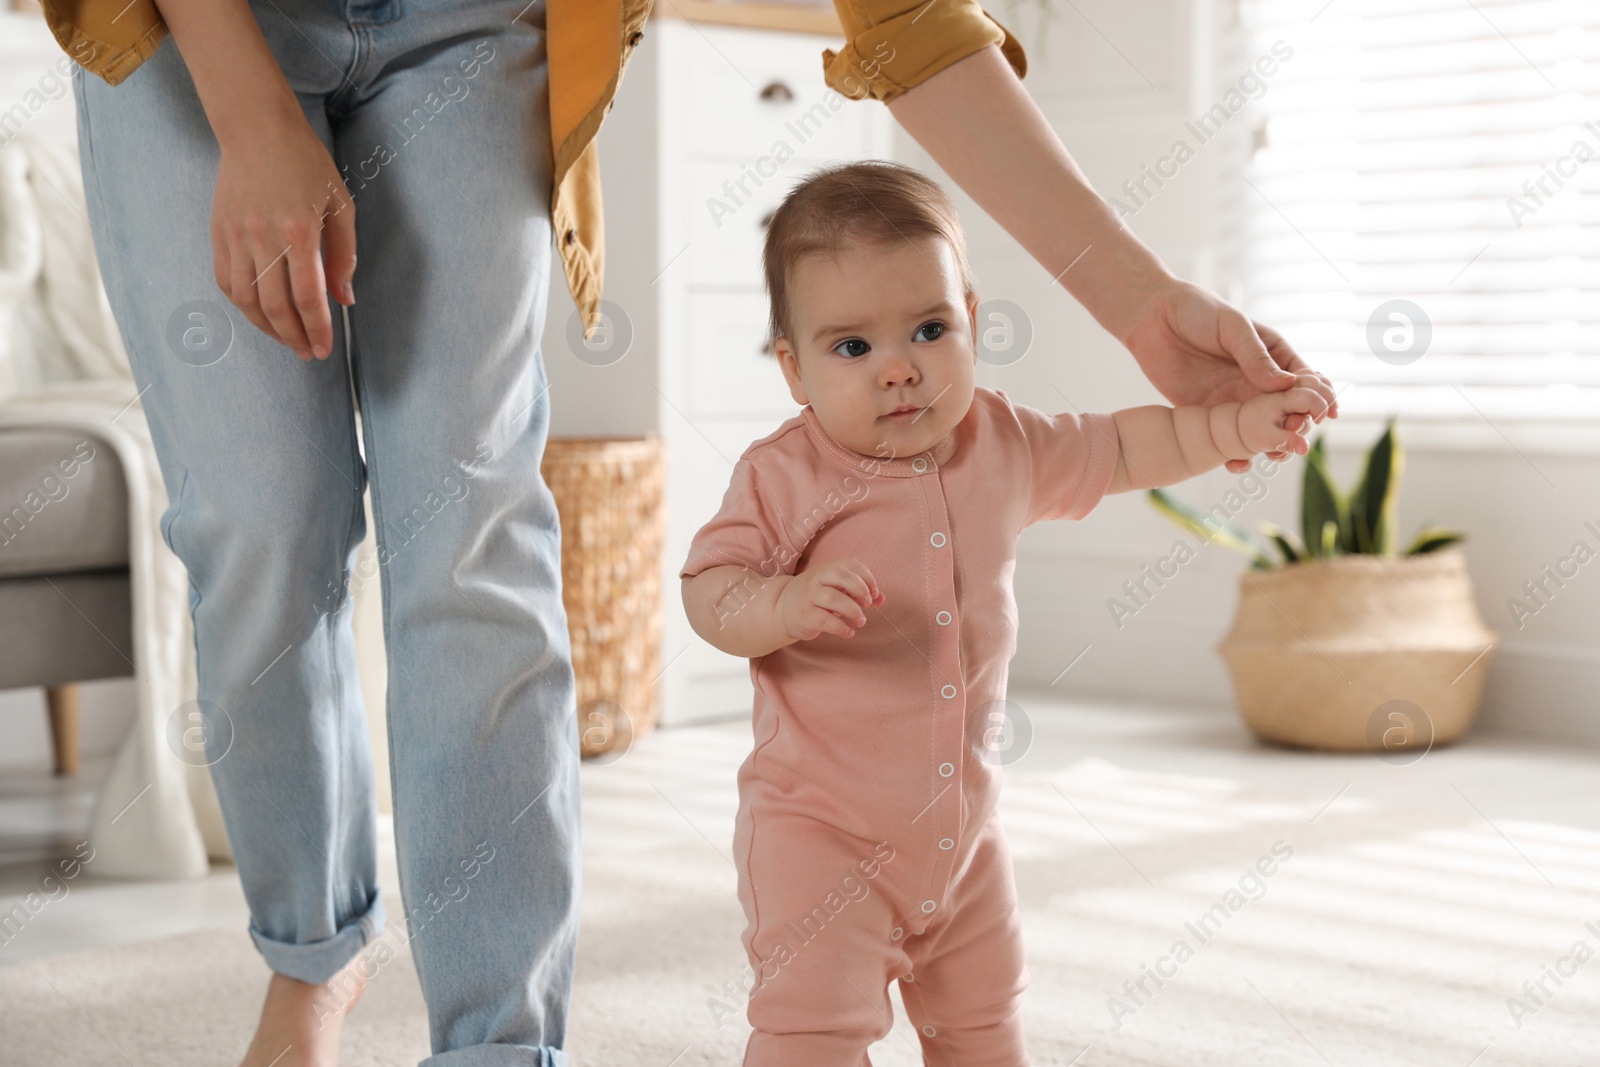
<point>862,560</point>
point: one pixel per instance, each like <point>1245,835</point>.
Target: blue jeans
<point>439,122</point>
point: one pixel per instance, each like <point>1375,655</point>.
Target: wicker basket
<point>1360,653</point>
<point>609,494</point>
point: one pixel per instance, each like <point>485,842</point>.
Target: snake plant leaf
<point>1291,547</point>
<point>1330,538</point>
<point>1320,502</point>
<point>1374,502</point>
<point>1207,528</point>
<point>1432,539</point>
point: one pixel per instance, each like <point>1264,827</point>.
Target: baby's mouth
<point>905,416</point>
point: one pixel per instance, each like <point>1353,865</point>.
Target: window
<point>1420,211</point>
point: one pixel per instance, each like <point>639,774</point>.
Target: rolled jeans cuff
<point>499,1056</point>
<point>317,961</point>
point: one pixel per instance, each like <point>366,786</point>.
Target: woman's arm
<point>277,186</point>
<point>239,82</point>
<point>976,119</point>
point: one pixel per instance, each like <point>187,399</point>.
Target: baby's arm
<point>1161,446</point>
<point>747,614</point>
<point>735,609</point>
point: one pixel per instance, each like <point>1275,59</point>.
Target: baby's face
<point>879,328</point>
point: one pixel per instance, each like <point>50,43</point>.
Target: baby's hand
<point>828,598</point>
<point>1277,422</point>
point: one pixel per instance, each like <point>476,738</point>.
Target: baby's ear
<point>789,363</point>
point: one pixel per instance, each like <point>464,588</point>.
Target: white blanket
<point>63,365</point>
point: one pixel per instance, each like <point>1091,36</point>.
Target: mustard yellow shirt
<point>890,46</point>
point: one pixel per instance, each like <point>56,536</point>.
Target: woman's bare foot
<point>300,1022</point>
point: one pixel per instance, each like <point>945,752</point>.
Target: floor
<point>1152,798</point>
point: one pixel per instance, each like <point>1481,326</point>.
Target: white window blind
<point>1440,152</point>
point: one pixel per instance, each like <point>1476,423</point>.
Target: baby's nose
<point>897,368</point>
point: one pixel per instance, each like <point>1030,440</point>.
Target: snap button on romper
<point>867,840</point>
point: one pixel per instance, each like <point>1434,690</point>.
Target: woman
<point>450,145</point>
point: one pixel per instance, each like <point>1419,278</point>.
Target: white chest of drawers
<point>711,127</point>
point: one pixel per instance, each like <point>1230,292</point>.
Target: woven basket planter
<point>1359,653</point>
<point>609,494</point>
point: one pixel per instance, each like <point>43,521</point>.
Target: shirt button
<point>944,618</point>
<point>929,1031</point>
<point>894,935</point>
<point>928,905</point>
<point>946,769</point>
<point>946,843</point>
<point>572,235</point>
<point>919,464</point>
<point>638,35</point>
<point>937,540</point>
<point>949,691</point>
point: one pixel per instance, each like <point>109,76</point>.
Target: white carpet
<point>1394,934</point>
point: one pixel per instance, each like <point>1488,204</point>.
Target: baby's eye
<point>936,327</point>
<point>865,348</point>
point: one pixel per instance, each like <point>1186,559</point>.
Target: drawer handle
<point>777,90</point>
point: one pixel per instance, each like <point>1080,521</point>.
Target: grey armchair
<point>65,590</point>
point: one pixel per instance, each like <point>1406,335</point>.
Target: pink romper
<point>867,840</point>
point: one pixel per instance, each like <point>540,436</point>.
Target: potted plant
<point>1343,641</point>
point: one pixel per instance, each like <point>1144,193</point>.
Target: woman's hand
<point>828,598</point>
<point>280,203</point>
<point>1196,348</point>
<point>281,208</point>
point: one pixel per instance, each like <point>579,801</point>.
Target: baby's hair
<point>871,201</point>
